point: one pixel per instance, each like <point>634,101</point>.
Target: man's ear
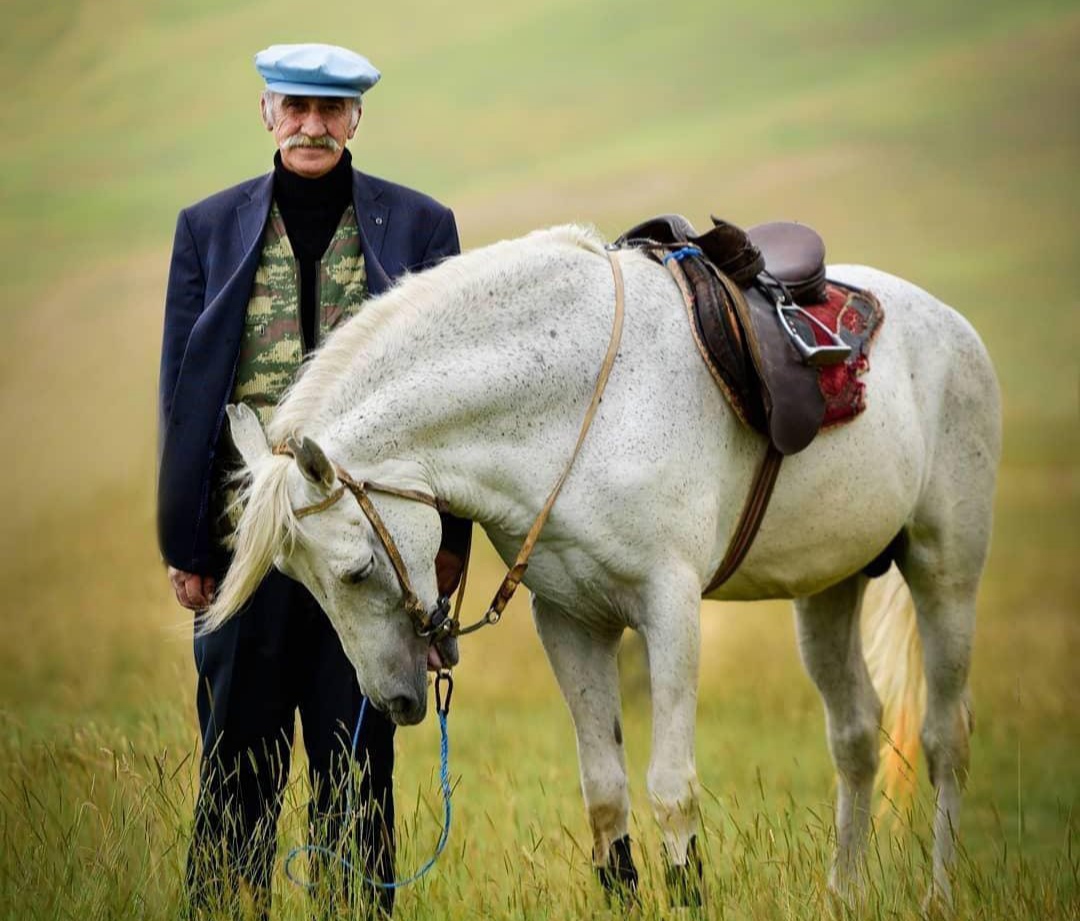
<point>267,111</point>
<point>357,112</point>
<point>247,433</point>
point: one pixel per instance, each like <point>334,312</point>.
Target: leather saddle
<point>744,291</point>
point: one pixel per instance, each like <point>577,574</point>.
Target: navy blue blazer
<point>215,254</point>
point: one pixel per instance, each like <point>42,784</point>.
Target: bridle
<point>427,622</point>
<point>436,623</point>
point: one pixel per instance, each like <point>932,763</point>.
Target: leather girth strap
<point>702,287</point>
<point>753,511</point>
<point>734,324</point>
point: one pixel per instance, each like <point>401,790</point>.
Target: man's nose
<point>312,124</point>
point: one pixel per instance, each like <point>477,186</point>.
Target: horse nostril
<point>403,703</point>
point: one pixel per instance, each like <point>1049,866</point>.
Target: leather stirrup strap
<point>521,563</point>
<point>753,510</point>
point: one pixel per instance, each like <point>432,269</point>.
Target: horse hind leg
<point>586,668</point>
<point>943,585</point>
<point>942,562</point>
<point>830,644</point>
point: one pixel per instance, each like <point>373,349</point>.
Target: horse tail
<point>266,524</point>
<point>893,652</point>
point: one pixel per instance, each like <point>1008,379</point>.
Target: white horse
<point>469,383</point>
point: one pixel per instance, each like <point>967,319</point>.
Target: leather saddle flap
<point>794,405</point>
<point>752,358</point>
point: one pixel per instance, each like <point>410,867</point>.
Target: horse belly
<point>827,521</point>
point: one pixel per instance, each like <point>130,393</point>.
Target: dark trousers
<point>278,655</point>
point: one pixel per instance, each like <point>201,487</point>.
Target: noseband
<point>436,624</point>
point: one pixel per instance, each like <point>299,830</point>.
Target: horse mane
<point>268,523</point>
<point>390,320</point>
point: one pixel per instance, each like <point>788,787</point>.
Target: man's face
<point>311,132</point>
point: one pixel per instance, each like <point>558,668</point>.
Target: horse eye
<point>356,576</point>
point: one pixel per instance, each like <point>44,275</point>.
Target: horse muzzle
<point>405,709</point>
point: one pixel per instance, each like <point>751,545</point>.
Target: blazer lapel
<point>218,329</point>
<point>251,216</point>
<point>372,216</point>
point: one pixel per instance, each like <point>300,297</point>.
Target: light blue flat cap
<point>315,70</point>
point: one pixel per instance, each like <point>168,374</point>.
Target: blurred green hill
<point>938,142</point>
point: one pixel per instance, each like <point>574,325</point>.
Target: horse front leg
<point>586,669</point>
<point>671,629</point>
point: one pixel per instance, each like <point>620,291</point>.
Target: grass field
<point>939,141</point>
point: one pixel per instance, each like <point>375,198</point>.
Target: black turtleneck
<point>311,209</point>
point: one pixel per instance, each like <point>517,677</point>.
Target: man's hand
<point>193,591</point>
<point>449,566</point>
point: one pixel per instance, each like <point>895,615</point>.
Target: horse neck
<point>487,393</point>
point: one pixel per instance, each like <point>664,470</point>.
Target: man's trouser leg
<point>280,653</point>
<point>246,698</point>
<point>330,703</point>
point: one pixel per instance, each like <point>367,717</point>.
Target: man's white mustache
<point>302,140</point>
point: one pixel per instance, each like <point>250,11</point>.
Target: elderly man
<point>260,274</point>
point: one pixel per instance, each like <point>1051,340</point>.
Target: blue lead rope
<point>442,710</point>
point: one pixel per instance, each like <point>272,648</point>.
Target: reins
<point>516,572</point>
<point>436,624</point>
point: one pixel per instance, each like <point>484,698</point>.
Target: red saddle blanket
<point>855,316</point>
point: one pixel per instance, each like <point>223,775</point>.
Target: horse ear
<point>247,433</point>
<point>313,463</point>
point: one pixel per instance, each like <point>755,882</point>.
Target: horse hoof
<point>684,881</point>
<point>619,876</point>
<point>938,904</point>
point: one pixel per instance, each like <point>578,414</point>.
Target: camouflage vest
<point>271,349</point>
